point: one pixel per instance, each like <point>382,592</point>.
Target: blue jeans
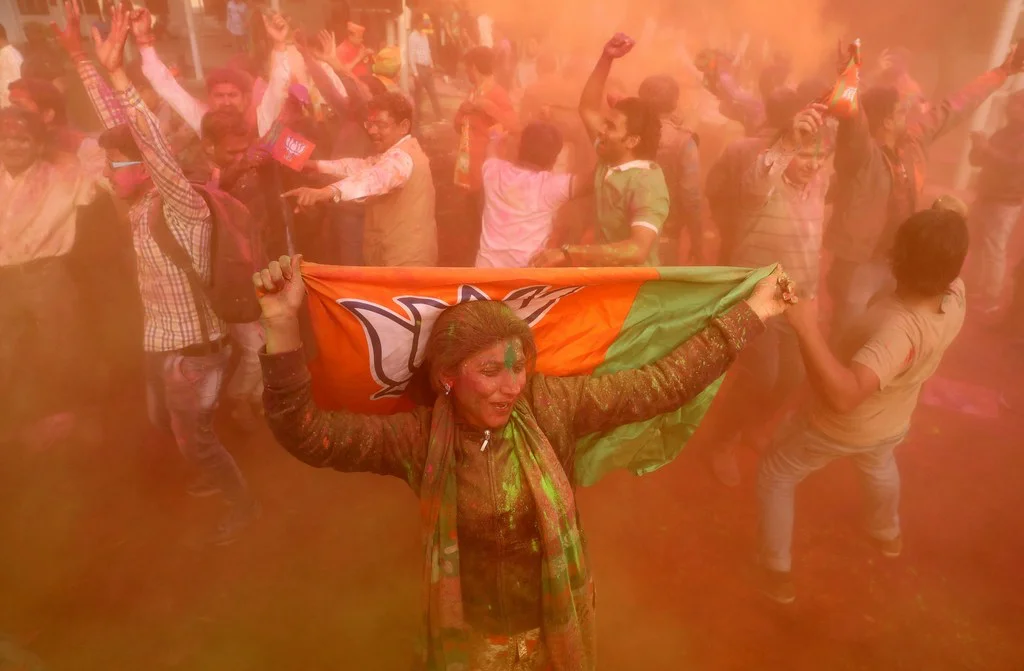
<point>181,395</point>
<point>801,450</point>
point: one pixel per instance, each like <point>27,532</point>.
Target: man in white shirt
<point>396,184</point>
<point>521,199</point>
<point>10,67</point>
<point>422,62</point>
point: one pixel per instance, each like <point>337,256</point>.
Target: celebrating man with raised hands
<point>184,339</point>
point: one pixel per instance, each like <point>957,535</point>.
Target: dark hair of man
<point>929,251</point>
<point>220,124</point>
<point>45,95</point>
<point>481,58</point>
<point>540,144</point>
<point>660,92</point>
<point>780,107</point>
<point>394,103</point>
<point>33,122</point>
<point>233,76</point>
<point>119,138</point>
<point>879,103</point>
<point>642,121</point>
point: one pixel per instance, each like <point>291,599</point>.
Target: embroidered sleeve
<point>601,403</point>
<point>386,445</point>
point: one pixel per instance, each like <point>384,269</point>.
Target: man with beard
<point>395,183</point>
<point>630,191</point>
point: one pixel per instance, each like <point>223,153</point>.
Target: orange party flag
<point>843,101</point>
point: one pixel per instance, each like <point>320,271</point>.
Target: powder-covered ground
<point>100,568</point>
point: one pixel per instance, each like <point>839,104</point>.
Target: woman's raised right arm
<point>387,445</point>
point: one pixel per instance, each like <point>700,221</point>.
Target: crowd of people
<point>302,145</point>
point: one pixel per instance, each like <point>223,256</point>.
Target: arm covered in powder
<point>386,445</point>
<point>601,403</point>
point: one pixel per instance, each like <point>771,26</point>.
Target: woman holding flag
<point>506,578</point>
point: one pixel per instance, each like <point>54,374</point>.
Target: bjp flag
<point>292,149</point>
<point>371,327</point>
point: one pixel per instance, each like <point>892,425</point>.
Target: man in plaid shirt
<point>185,341</point>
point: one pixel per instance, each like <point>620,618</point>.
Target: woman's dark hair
<point>45,95</point>
<point>642,121</point>
<point>394,103</point>
<point>929,251</point>
<point>879,103</point>
<point>119,138</point>
<point>481,58</point>
<point>540,144</point>
<point>469,328</point>
<point>661,92</point>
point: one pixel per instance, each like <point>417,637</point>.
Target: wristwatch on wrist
<point>565,252</point>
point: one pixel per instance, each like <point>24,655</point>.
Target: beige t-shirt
<point>903,347</point>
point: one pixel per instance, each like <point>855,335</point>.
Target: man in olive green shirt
<point>629,188</point>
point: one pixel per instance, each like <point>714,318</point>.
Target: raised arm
<point>604,402</point>
<point>945,116</point>
<point>104,100</point>
<point>178,195</point>
<point>280,74</point>
<point>593,92</point>
<point>163,82</point>
<point>393,445</point>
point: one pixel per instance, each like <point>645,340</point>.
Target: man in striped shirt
<point>185,341</point>
<point>780,218</point>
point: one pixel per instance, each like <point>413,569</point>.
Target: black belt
<point>206,348</point>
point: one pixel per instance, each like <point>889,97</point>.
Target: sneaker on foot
<point>724,466</point>
<point>238,518</point>
<point>891,548</point>
<point>777,586</point>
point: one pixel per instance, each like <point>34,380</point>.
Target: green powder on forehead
<point>511,355</point>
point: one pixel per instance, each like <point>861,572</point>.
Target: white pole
<point>403,47</point>
<point>1001,46</point>
<point>190,20</point>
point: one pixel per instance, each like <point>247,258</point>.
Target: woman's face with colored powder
<point>486,385</point>
<point>18,148</point>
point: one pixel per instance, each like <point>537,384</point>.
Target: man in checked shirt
<point>184,366</point>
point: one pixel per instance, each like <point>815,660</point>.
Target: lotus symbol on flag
<point>396,341</point>
<point>293,147</point>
